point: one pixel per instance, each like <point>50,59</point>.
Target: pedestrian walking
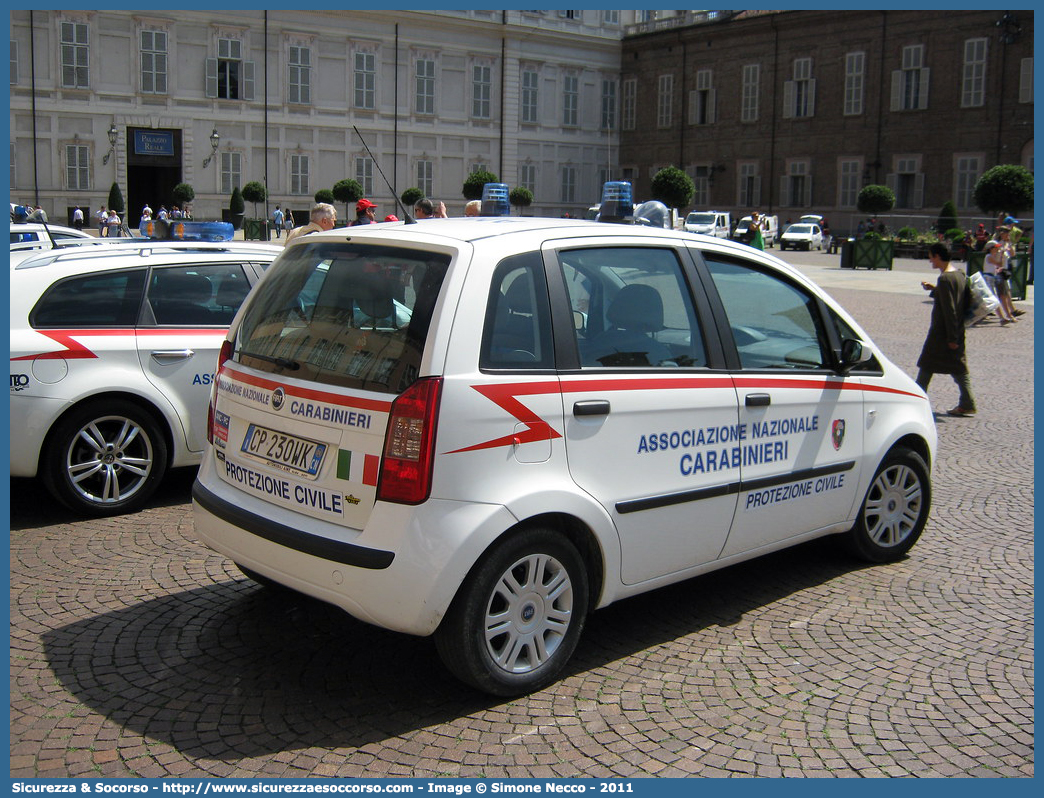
<point>943,351</point>
<point>101,216</point>
<point>996,266</point>
<point>277,221</point>
<point>78,218</point>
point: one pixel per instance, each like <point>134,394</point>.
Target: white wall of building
<point>149,70</point>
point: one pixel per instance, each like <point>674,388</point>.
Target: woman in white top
<point>998,254</point>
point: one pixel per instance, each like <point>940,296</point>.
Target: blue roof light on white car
<point>495,200</point>
<point>617,202</point>
<point>178,230</point>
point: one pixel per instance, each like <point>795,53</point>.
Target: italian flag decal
<point>358,467</point>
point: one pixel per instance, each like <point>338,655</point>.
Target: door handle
<point>758,400</point>
<point>593,407</point>
<point>173,354</point>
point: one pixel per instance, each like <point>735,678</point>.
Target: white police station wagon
<point>482,429</point>
<point>113,351</point>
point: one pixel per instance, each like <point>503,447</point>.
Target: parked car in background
<point>710,223</point>
<point>481,429</point>
<point>802,235</point>
<point>113,350</point>
<point>33,235</point>
<point>31,238</point>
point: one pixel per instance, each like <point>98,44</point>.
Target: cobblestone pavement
<point>138,652</point>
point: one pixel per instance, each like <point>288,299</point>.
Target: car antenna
<point>407,216</point>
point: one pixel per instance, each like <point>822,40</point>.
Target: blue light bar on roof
<point>177,230</point>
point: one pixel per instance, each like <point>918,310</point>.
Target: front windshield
<point>700,218</point>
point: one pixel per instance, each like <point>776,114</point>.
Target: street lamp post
<point>215,140</point>
<point>112,133</point>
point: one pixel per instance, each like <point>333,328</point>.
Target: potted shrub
<point>347,191</point>
<point>256,228</point>
<point>872,251</point>
<point>906,242</point>
<point>673,187</point>
<point>116,199</point>
<point>521,197</point>
<point>410,197</point>
<point>958,239</point>
<point>475,182</point>
<point>183,195</point>
<point>947,217</point>
<point>1007,188</point>
<point>236,208</point>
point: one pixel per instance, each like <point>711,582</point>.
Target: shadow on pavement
<point>32,506</point>
<point>233,670</point>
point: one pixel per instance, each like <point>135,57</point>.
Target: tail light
<point>409,444</point>
<point>223,354</point>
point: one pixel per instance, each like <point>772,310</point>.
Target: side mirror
<point>852,354</point>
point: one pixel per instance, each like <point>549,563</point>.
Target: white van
<point>710,223</point>
<point>769,230</point>
<point>483,429</point>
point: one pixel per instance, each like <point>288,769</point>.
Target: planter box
<point>255,230</point>
<point>871,254</point>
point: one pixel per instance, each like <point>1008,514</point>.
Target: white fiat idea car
<point>113,351</point>
<point>483,429</point>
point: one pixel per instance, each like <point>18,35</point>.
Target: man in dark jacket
<point>943,351</point>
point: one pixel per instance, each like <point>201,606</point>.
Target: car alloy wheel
<point>894,510</point>
<point>518,616</point>
<point>106,458</point>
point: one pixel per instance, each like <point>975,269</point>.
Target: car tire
<point>105,458</point>
<point>895,509</point>
<point>517,618</point>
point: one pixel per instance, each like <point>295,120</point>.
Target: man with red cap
<point>364,212</point>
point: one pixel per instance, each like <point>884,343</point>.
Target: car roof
<point>510,234</point>
<point>133,252</point>
<point>476,229</point>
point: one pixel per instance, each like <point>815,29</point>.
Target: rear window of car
<point>348,315</point>
<point>109,299</point>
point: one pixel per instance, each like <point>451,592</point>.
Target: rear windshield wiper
<point>282,362</point>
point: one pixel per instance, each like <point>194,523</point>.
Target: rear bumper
<point>401,572</point>
<point>289,537</point>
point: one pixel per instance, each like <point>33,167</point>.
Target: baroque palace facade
<point>298,100</point>
<point>789,112</point>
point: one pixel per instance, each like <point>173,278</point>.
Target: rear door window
<point>518,318</point>
<point>108,299</point>
<point>349,315</point>
<point>632,308</point>
<point>200,294</point>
